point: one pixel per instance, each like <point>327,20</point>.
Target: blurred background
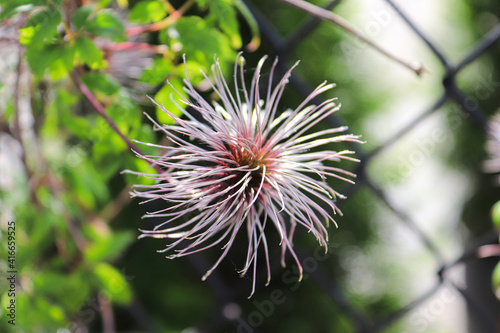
<point>415,248</point>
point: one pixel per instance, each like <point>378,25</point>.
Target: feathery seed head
<point>244,166</point>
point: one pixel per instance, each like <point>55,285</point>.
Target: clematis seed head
<point>239,164</point>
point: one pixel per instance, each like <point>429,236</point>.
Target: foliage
<point>68,127</point>
<point>68,188</point>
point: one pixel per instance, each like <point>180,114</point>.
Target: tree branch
<point>341,22</point>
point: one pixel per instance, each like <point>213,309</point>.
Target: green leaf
<point>58,115</point>
<point>100,82</point>
<point>87,53</point>
<point>495,215</point>
<point>495,280</point>
<point>124,112</point>
<point>147,12</point>
<point>59,58</point>
<point>43,313</point>
<point>225,13</point>
<point>158,72</point>
<point>85,181</point>
<point>104,3</point>
<point>166,97</point>
<point>140,165</point>
<point>202,42</point>
<point>81,16</point>
<point>107,24</point>
<point>26,35</point>
<point>45,23</point>
<point>58,286</point>
<point>108,248</point>
<point>11,8</point>
<point>62,61</point>
<point>113,284</point>
<point>122,3</point>
<point>202,3</point>
<point>39,60</point>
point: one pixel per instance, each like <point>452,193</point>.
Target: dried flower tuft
<point>243,166</point>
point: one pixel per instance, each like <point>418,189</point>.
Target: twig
<point>490,250</point>
<point>17,124</point>
<point>115,207</point>
<point>100,109</point>
<point>131,46</point>
<point>341,22</point>
<point>108,321</point>
<point>17,129</point>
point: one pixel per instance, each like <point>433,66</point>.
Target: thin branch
<point>108,322</point>
<point>490,250</point>
<point>131,46</point>
<point>341,22</point>
<point>18,131</point>
<point>116,206</point>
<point>420,34</point>
<point>100,109</point>
<point>17,123</point>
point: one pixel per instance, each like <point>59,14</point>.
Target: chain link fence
<point>482,317</point>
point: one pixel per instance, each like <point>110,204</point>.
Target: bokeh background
<point>408,255</point>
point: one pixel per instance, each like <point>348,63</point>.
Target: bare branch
<point>100,109</point>
<point>341,22</point>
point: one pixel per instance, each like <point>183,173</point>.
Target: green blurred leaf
<point>26,35</point>
<point>62,61</point>
<point>109,146</point>
<point>87,53</point>
<point>108,247</point>
<point>147,12</point>
<point>40,234</point>
<point>139,165</point>
<point>39,60</point>
<point>100,82</point>
<point>104,3</point>
<point>11,8</point>
<point>58,286</point>
<point>107,24</point>
<point>59,114</point>
<point>45,23</point>
<point>158,72</point>
<point>495,280</point>
<point>201,42</point>
<point>41,313</point>
<point>122,3</point>
<point>85,181</point>
<point>495,215</point>
<point>81,16</point>
<point>113,284</point>
<point>166,97</point>
<point>225,13</point>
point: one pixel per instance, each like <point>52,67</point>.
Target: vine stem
<point>324,14</point>
<point>102,112</point>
